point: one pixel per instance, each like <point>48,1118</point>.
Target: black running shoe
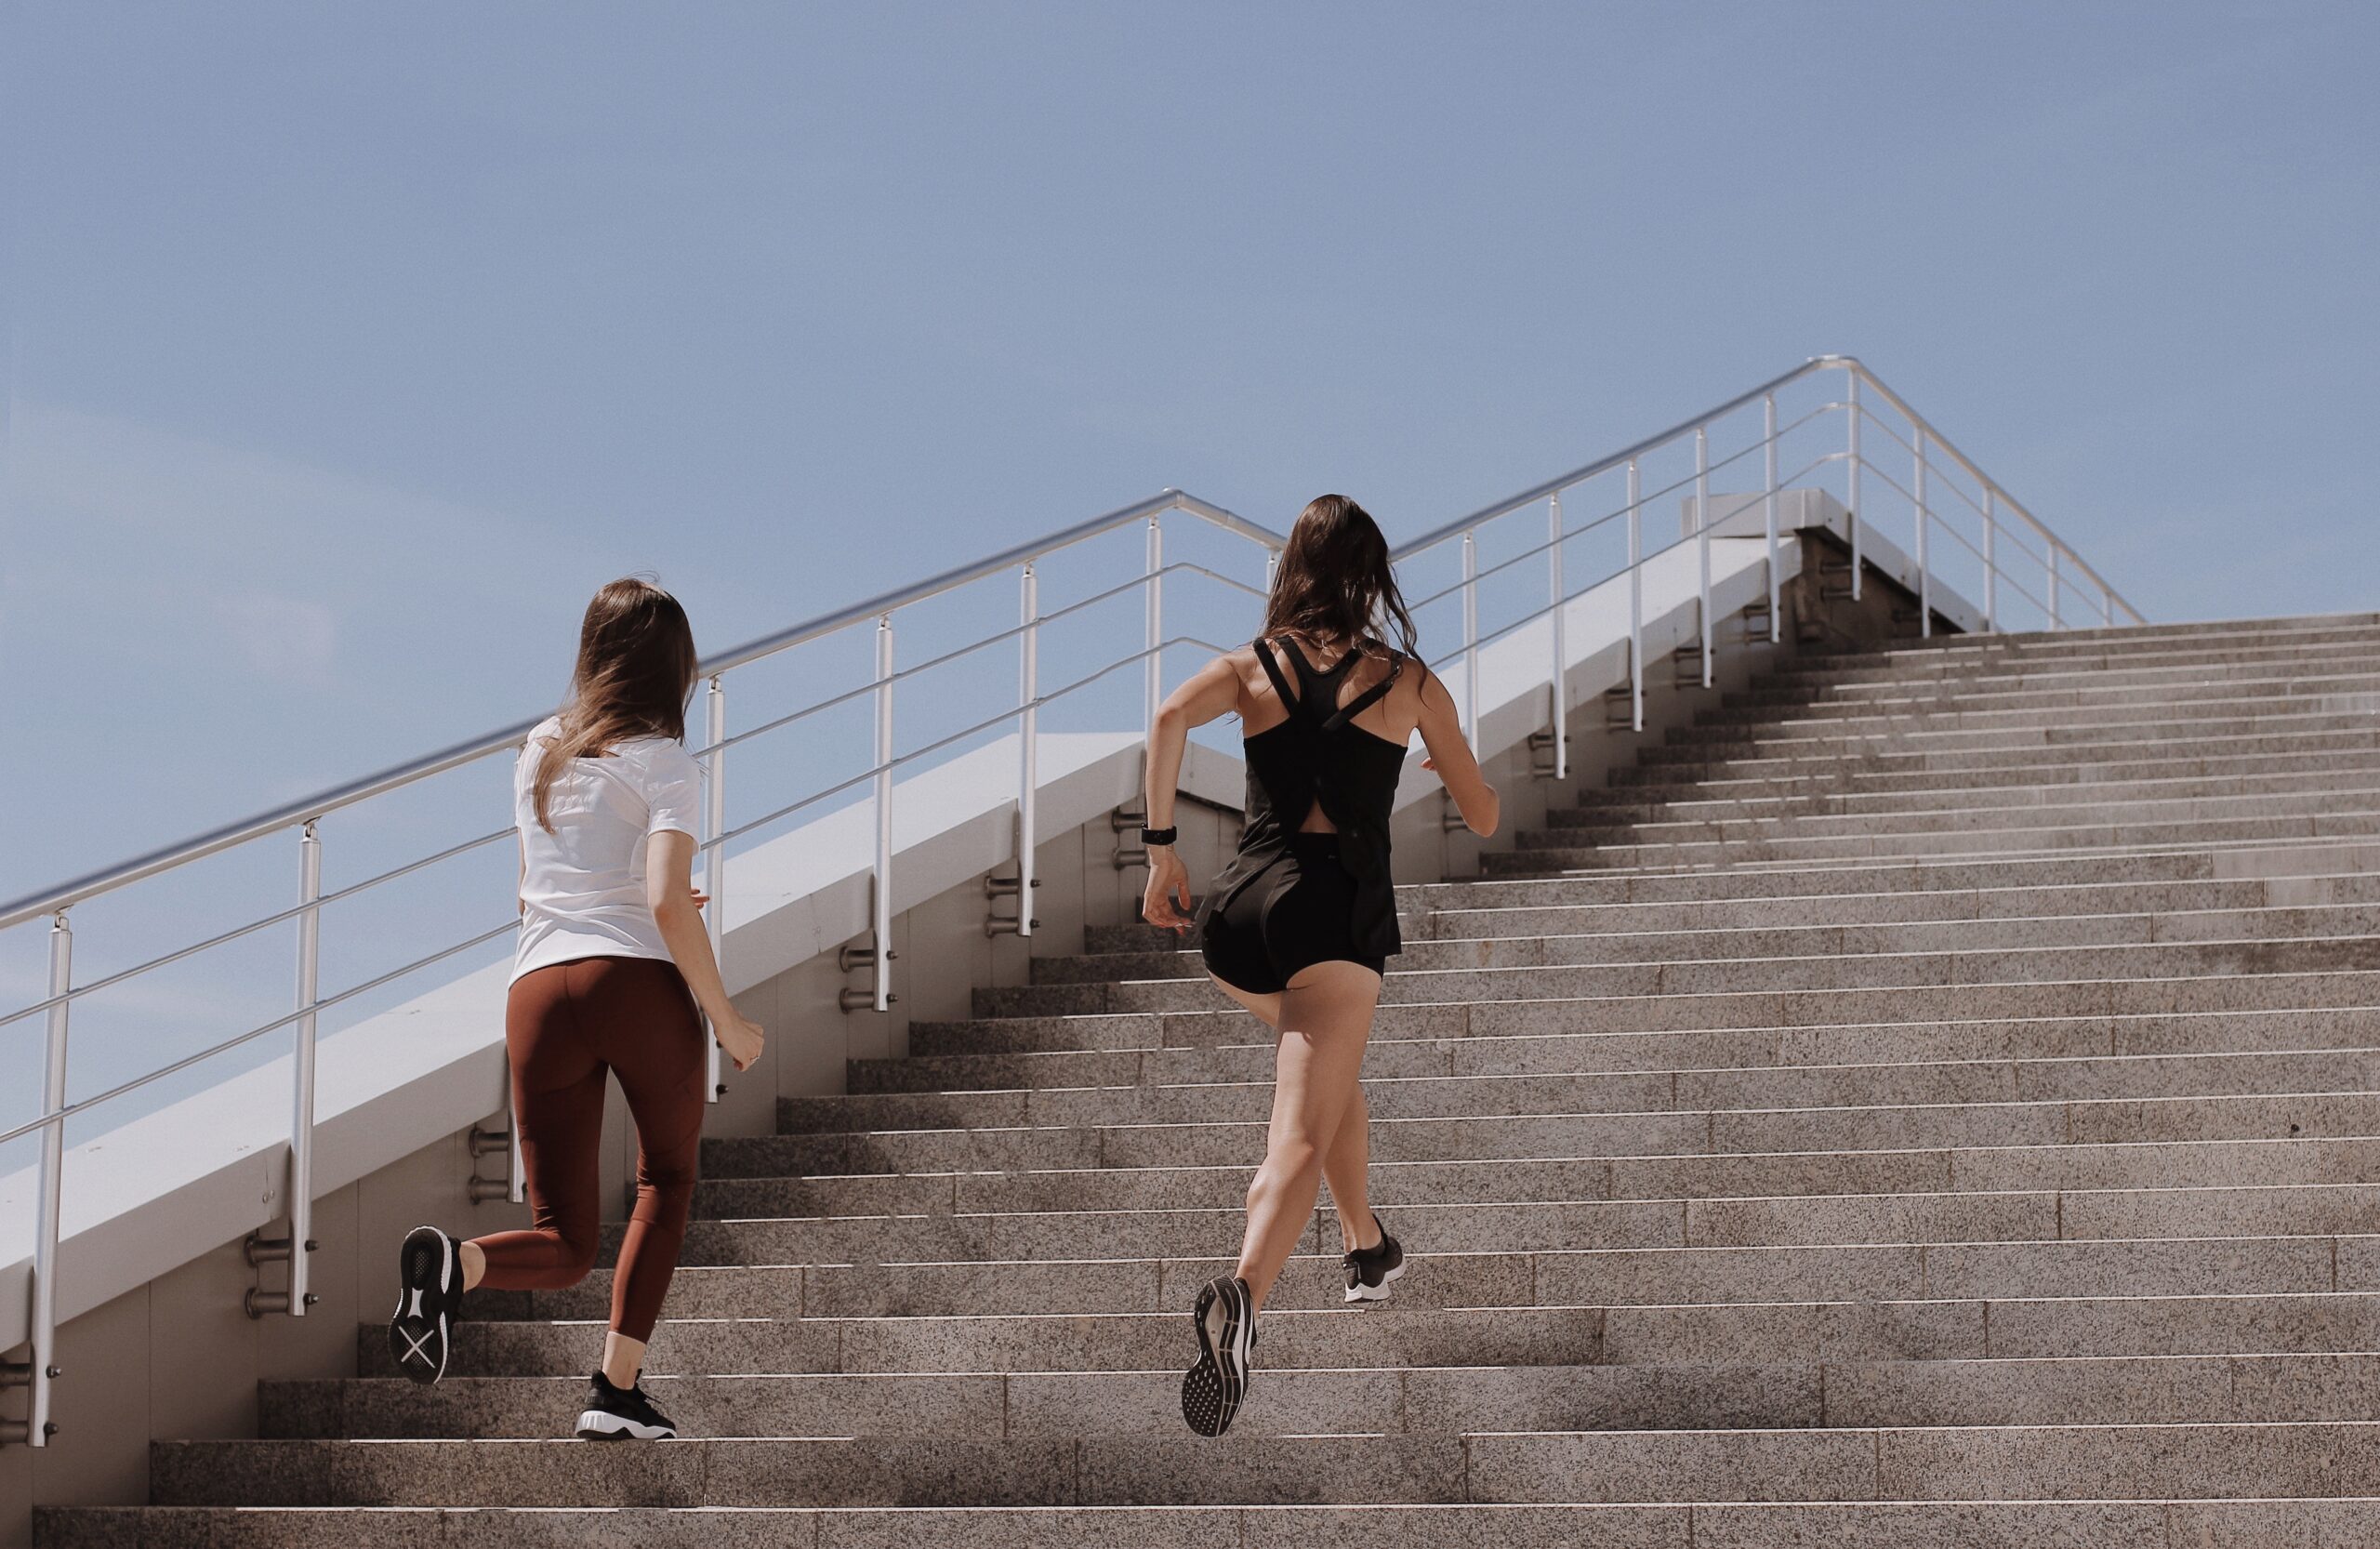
<point>1369,1270</point>
<point>621,1414</point>
<point>1212,1390</point>
<point>431,1274</point>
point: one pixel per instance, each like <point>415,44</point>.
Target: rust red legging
<point>565,1027</point>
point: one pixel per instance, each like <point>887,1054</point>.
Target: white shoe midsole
<point>604,1422</point>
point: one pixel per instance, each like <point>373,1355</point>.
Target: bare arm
<point>669,892</point>
<point>1212,693</point>
<point>1452,759</point>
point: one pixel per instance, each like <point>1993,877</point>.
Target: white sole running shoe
<point>622,1414</point>
<point>430,1278</point>
<point>1370,1271</point>
<point>1211,1391</point>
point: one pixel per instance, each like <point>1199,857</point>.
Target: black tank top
<point>1320,756</point>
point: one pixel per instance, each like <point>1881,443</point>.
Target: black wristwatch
<point>1157,836</point>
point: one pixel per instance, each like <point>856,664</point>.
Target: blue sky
<point>348,347</point>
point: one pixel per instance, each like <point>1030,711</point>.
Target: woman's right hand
<point>741,1038</point>
<point>1166,901</point>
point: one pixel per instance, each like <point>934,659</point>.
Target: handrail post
<point>1561,652</point>
<point>1925,567</point>
<point>1470,640</point>
<point>881,925</point>
<point>1991,563</point>
<point>1153,686</point>
<point>715,861</point>
<point>1635,603</point>
<point>1776,593</point>
<point>1851,489</point>
<point>1028,777</point>
<point>301,1112</point>
<point>2050,544</point>
<point>42,1335</point>
<point>1703,533</point>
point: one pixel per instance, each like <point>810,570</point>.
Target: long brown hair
<point>1335,581</point>
<point>635,667</point>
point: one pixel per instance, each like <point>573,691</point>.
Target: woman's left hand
<point>1166,901</point>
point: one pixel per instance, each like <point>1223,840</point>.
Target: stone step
<point>1671,1132</point>
<point>1786,688</point>
<point>1488,1226</point>
<point>1539,940</point>
<point>1395,1184</point>
<point>1893,874</point>
<point>1936,1524</point>
<point>2090,839</point>
<point>2309,632</point>
<point>1782,1393</point>
<point>1838,1525</point>
<point>1621,806</point>
<point>1954,704</point>
<point>1640,1335</point>
<point>1902,1272</point>
<point>2177,905</point>
<point>1632,784</point>
<point>2247,1461</point>
<point>1656,985</point>
<point>2335,715</point>
<point>1499,1096</point>
<point>1971,657</point>
<point>1698,820</point>
<point>1456,1051</point>
<point>1709,755</point>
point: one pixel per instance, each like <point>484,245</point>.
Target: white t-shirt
<point>582,888</point>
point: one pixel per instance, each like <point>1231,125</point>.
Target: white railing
<point>1501,583</point>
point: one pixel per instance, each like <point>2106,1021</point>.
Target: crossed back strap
<point>1317,678</point>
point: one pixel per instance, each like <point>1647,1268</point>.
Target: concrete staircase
<point>1933,1100</point>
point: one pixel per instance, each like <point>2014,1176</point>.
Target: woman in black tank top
<point>1299,925</point>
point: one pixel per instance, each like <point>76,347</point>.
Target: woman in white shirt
<point>611,965</point>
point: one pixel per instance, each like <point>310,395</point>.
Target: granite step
<point>1669,1132</point>
<point>1963,705</point>
<point>1396,1184</point>
<point>1631,785</point>
<point>1899,874</point>
<point>1788,689</point>
<point>1707,755</point>
<point>1878,893</point>
<point>1050,1057</point>
<point>1965,1215</point>
<point>1936,1524</point>
<point>1781,1393</point>
<point>2028,981</point>
<point>1539,940</point>
<point>2172,906</point>
<point>1493,1097</point>
<point>2083,1267</point>
<point>1567,854</point>
<point>1603,825</point>
<point>2245,1461</point>
<point>1638,1334</point>
<point>1619,806</point>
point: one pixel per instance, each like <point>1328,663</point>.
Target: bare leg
<point>1266,1007</point>
<point>1343,1165</point>
<point>474,1260</point>
<point>1325,1017</point>
<point>623,1358</point>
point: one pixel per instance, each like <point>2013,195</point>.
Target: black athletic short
<point>1298,911</point>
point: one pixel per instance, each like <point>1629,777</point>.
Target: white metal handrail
<point>877,614</point>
